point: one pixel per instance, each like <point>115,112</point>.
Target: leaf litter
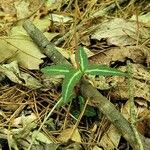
<point>110,33</point>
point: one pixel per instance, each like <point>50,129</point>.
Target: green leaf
<point>56,69</point>
<point>75,113</point>
<point>103,70</point>
<point>89,111</point>
<point>71,79</point>
<point>81,59</point>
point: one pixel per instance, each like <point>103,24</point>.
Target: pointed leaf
<point>71,79</point>
<point>82,59</point>
<point>103,70</point>
<point>56,69</point>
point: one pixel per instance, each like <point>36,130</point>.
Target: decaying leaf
<point>143,123</point>
<point>41,137</point>
<point>119,85</point>
<point>100,82</point>
<point>111,139</point>
<point>41,24</point>
<point>143,118</point>
<point>120,32</point>
<point>65,135</point>
<point>53,81</point>
<point>60,18</point>
<point>139,72</point>
<point>7,70</point>
<point>145,18</point>
<point>22,9</point>
<point>136,54</point>
<point>23,50</point>
<point>15,75</point>
<point>18,46</point>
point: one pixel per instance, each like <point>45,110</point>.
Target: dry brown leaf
<point>141,90</point>
<point>15,75</point>
<point>126,110</point>
<point>65,135</point>
<point>144,114</point>
<point>111,139</point>
<point>143,118</point>
<point>8,6</point>
<point>120,32</point>
<point>23,50</point>
<point>141,102</point>
<point>137,54</point>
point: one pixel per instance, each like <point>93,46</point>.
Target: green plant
<point>73,75</point>
<point>90,111</point>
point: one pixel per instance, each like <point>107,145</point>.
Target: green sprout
<point>73,75</point>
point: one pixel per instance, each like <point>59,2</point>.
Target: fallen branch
<point>88,91</point>
<point>46,47</point>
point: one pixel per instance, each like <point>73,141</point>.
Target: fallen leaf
<point>40,136</point>
<point>136,54</point>
<point>23,50</point>
<point>11,71</point>
<point>15,75</point>
<point>111,139</point>
<point>22,8</point>
<point>60,18</point>
<point>143,118</point>
<point>65,135</point>
<point>143,123</point>
<point>120,32</point>
<point>142,18</point>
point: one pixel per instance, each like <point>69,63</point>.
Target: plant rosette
<point>72,75</point>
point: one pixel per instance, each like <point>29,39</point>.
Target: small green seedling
<point>73,75</point>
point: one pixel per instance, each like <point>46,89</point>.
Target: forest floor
<point>106,112</point>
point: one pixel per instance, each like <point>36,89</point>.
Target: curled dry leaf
<point>15,75</point>
<point>136,54</point>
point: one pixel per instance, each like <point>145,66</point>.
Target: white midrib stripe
<point>82,65</point>
<point>58,70</point>
<point>67,89</point>
<point>98,70</point>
